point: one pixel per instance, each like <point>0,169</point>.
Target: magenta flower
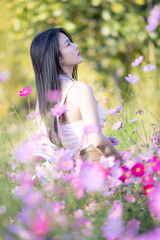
<point>131,79</point>
<point>137,61</point>
<point>91,177</point>
<point>114,141</point>
<point>147,189</point>
<point>125,173</point>
<point>25,91</point>
<point>147,180</point>
<point>58,110</point>
<point>90,129</point>
<point>155,164</point>
<point>117,125</point>
<point>41,224</point>
<point>149,68</point>
<point>138,170</point>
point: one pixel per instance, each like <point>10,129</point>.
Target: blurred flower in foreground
<point>33,115</point>
<point>112,229</point>
<point>105,99</point>
<point>131,79</point>
<point>90,129</point>
<point>107,162</point>
<point>58,110</point>
<point>151,235</point>
<point>114,141</point>
<point>4,76</point>
<point>117,125</point>
<point>153,19</point>
<point>25,91</point>
<point>91,177</point>
<point>137,61</point>
<point>133,226</point>
<point>149,68</point>
<point>111,111</point>
<point>53,96</point>
<point>154,201</point>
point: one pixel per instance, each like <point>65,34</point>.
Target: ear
<point>60,60</point>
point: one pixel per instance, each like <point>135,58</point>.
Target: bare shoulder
<point>82,88</point>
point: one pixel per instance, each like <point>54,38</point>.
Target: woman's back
<point>73,127</point>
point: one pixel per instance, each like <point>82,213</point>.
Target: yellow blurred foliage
<point>117,8</point>
<point>139,2</point>
<point>4,107</point>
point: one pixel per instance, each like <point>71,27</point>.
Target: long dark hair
<point>45,54</point>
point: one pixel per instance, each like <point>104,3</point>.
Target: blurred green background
<point>110,35</point>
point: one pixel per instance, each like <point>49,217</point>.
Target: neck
<point>68,70</point>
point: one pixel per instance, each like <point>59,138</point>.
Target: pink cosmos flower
<point>57,206</point>
<point>151,235</point>
<point>78,188</point>
<point>137,61</point>
<point>113,229</point>
<point>129,163</point>
<point>33,115</point>
<point>133,226</point>
<point>138,170</point>
<point>78,213</point>
<point>41,224</point>
<point>154,201</point>
<point>111,111</point>
<point>147,189</point>
<point>155,164</point>
<point>149,68</point>
<point>153,19</point>
<point>58,110</point>
<point>90,129</point>
<point>105,99</point>
<point>126,155</point>
<point>115,211</point>
<point>117,125</point>
<point>25,91</point>
<point>131,79</point>
<point>92,177</point>
<point>130,198</point>
<point>66,164</point>
<point>126,173</point>
<point>147,180</point>
<point>107,162</point>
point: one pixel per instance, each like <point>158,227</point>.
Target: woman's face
<point>70,53</point>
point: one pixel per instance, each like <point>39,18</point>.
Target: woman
<point>55,58</point>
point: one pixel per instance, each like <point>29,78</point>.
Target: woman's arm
<point>88,108</point>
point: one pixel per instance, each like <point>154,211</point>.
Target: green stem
<point>144,131</point>
<point>8,137</point>
<point>21,121</point>
<point>28,104</point>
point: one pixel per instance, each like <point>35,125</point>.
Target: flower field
<point>47,194</point>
